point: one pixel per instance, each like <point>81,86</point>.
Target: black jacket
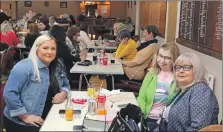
<point>64,52</point>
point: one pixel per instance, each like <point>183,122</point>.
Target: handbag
<point>127,120</point>
<point>163,125</point>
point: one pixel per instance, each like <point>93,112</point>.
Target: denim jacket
<point>24,94</point>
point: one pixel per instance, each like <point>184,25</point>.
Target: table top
<point>54,121</point>
<point>21,32</point>
<point>110,69</point>
<point>103,46</point>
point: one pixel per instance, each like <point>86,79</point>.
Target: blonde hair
<point>119,27</point>
<point>33,53</point>
<point>174,50</point>
<point>52,20</point>
<point>6,27</point>
<point>195,61</point>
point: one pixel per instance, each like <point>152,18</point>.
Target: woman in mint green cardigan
<point>158,85</point>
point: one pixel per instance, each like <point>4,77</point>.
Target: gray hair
<point>198,68</point>
<point>119,27</point>
<point>6,27</point>
<point>33,53</point>
<point>124,34</point>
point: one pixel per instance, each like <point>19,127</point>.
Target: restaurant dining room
<point>127,66</point>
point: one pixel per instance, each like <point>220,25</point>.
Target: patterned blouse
<point>196,109</point>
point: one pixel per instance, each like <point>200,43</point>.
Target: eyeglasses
<point>185,67</point>
<point>166,58</point>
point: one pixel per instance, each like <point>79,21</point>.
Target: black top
<point>52,91</point>
<point>30,39</point>
<point>64,52</point>
<point>147,43</point>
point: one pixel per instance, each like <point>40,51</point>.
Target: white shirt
<point>84,40</point>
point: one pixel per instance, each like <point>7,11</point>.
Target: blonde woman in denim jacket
<point>158,85</point>
<point>33,85</point>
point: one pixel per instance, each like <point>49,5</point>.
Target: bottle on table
<point>101,99</point>
<point>95,56</point>
<point>69,109</point>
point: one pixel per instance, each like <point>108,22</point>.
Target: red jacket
<point>10,38</point>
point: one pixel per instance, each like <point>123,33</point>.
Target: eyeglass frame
<point>165,58</point>
<point>184,67</point>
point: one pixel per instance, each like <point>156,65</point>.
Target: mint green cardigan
<point>147,92</point>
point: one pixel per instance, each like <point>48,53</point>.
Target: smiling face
<point>164,60</point>
<point>47,52</point>
<point>147,36</point>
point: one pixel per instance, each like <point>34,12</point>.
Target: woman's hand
<point>83,56</point>
<point>34,120</point>
<point>59,98</point>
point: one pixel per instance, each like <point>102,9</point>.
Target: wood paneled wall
<point>153,13</point>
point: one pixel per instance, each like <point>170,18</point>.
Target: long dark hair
<point>58,33</point>
<point>54,85</point>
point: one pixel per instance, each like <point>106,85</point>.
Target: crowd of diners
<point>173,88</point>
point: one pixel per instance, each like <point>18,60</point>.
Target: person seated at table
<point>63,50</point>
<point>117,28</point>
<point>72,20</point>
<point>43,23</point>
<point>32,35</point>
<point>127,48</point>
<point>135,69</point>
<point>149,35</point>
<point>99,20</point>
<point>129,25</point>
<point>195,106</point>
<point>3,17</point>
<point>158,85</point>
<point>52,21</point>
<point>8,35</point>
<point>33,85</point>
<point>84,39</point>
<point>73,33</point>
<point>80,19</point>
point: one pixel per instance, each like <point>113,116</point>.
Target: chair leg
<point>80,81</point>
<point>113,82</point>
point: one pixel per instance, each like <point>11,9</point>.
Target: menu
<point>201,24</point>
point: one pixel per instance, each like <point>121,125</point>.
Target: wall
<point>212,65</point>
<point>73,7</point>
<point>153,13</point>
<point>131,11</point>
<point>6,5</point>
<point>118,9</point>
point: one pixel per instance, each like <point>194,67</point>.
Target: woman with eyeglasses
<point>158,85</point>
<point>195,105</point>
<point>34,84</point>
